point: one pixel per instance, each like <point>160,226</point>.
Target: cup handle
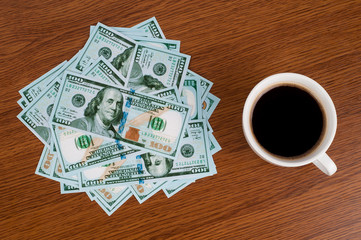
<point>326,165</point>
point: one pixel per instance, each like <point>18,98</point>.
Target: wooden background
<point>235,44</point>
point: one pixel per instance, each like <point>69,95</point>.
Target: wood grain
<point>235,44</point>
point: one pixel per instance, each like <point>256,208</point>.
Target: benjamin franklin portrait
<point>103,112</point>
<point>157,166</point>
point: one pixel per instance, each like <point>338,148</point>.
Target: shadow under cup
<point>289,120</point>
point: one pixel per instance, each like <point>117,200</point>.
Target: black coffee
<point>287,121</point>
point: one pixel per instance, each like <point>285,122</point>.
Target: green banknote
<point>195,161</point>
<point>109,43</point>
<point>141,121</point>
<point>103,70</point>
<point>155,69</point>
<point>78,151</point>
<point>191,96</point>
<point>151,28</point>
<point>205,84</point>
<point>143,192</point>
<point>36,115</point>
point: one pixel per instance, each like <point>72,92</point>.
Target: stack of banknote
<point>123,117</point>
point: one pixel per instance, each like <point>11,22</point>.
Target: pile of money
<point>124,116</point>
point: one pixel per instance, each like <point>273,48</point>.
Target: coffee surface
<point>287,121</point>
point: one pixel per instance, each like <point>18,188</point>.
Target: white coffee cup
<point>316,156</point>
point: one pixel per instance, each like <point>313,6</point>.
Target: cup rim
<point>300,80</point>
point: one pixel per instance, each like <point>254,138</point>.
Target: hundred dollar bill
<point>110,206</point>
<point>209,104</point>
<point>31,91</point>
<point>109,43</point>
<point>36,115</point>
<point>46,164</point>
<point>204,83</point>
<point>195,161</point>
<point>78,151</point>
<point>151,28</point>
<point>138,120</point>
<point>173,45</point>
<point>214,145</point>
<point>102,70</point>
<point>173,187</point>
<point>155,69</point>
<point>191,96</point>
<point>143,192</point>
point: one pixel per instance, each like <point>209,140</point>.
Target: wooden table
<point>234,44</point>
